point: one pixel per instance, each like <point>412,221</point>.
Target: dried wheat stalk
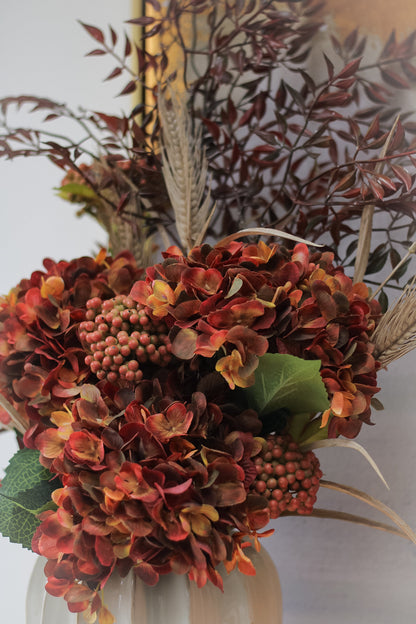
<point>396,333</point>
<point>185,168</point>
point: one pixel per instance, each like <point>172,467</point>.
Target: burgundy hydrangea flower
<point>236,303</point>
<point>127,385</point>
<point>41,356</point>
<point>155,486</point>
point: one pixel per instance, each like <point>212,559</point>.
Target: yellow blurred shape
<point>376,17</point>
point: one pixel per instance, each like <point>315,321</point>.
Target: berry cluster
<point>288,478</point>
<point>121,336</point>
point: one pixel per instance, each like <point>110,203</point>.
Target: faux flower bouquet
<point>168,394</point>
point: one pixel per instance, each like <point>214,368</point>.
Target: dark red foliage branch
<point>284,147</point>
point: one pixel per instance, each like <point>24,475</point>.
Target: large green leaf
<point>25,492</point>
<point>286,381</point>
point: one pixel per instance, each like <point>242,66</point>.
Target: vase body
<point>174,600</point>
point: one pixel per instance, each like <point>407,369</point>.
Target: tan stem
<point>262,231</point>
<point>373,502</point>
<point>17,420</point>
<point>332,514</point>
<point>366,225</point>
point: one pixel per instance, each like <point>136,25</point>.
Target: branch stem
<point>18,421</point>
<point>410,252</point>
<point>366,226</point>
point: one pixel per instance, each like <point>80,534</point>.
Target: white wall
<point>42,50</point>
<point>330,571</point>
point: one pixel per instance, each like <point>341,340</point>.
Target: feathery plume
<point>396,333</point>
<point>185,168</point>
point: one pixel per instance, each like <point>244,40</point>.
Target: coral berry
<point>120,336</point>
<point>288,477</point>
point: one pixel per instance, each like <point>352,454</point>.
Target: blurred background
<point>330,571</point>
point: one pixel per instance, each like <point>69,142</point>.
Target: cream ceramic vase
<point>174,600</point>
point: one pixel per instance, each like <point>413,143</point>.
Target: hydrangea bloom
<point>239,302</point>
<point>155,489</point>
<point>128,385</point>
<point>41,356</point>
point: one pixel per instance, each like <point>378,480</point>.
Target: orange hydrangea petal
<point>53,286</point>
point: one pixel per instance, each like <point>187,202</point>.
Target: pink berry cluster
<point>121,337</point>
<point>287,477</point>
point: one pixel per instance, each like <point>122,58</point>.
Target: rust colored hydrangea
<point>127,383</point>
<point>149,483</point>
<point>41,356</point>
<point>236,303</point>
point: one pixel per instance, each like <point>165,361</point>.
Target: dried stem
<point>261,231</point>
<point>18,422</point>
<point>355,519</point>
<point>366,226</point>
<point>410,252</point>
<point>351,444</point>
<point>373,502</point>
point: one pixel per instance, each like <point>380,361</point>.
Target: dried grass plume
<point>396,334</point>
<point>185,168</point>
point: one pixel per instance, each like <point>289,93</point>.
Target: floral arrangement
<point>169,393</point>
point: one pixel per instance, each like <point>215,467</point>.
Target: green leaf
<point>25,492</point>
<point>305,430</point>
<point>286,381</point>
<point>23,473</point>
<point>235,287</point>
<point>298,424</point>
<point>383,301</point>
<point>377,404</point>
<point>80,190</point>
<point>314,432</point>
